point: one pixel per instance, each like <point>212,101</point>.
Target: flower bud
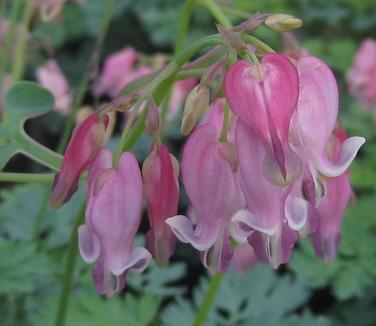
<point>232,39</point>
<point>283,22</point>
<point>152,120</point>
<point>195,105</point>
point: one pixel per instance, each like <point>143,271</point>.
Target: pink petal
<point>275,249</point>
<point>116,212</point>
<point>87,139</point>
<point>265,201</point>
<point>316,116</point>
<point>201,239</point>
<point>88,244</point>
<point>264,97</point>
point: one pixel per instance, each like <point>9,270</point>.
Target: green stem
<point>208,300</point>
<point>38,152</point>
<point>258,43</point>
<point>26,177</point>
<point>167,73</point>
<point>91,66</point>
<point>41,213</point>
<point>69,269</point>
<point>21,43</point>
<point>184,24</point>
<point>182,35</point>
<point>224,131</point>
<point>217,13</point>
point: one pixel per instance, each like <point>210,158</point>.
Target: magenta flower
<point>113,215</point>
<point>161,189</point>
<point>314,121</point>
<point>51,77</point>
<point>86,140</point>
<point>330,209</point>
<point>264,97</point>
<point>362,77</point>
<point>118,71</point>
<point>212,184</point>
<point>263,224</point>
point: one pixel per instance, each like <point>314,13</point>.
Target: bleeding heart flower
<point>211,182</point>
<point>263,224</point>
<point>87,138</point>
<point>330,209</point>
<point>314,121</point>
<point>161,188</point>
<point>264,97</point>
<point>51,77</point>
<point>113,215</point>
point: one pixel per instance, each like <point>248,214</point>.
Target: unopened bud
<point>152,120</point>
<point>195,105</point>
<point>283,22</point>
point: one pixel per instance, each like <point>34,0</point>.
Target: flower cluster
<point>266,165</point>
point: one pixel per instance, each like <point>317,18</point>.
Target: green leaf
<point>22,267</point>
<point>89,309</point>
<point>25,100</point>
<point>20,207</point>
<point>259,297</point>
<point>352,272</point>
<point>158,281</point>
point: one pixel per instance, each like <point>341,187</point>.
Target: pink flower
<point>161,188</point>
<point>113,215</point>
<point>86,140</point>
<point>314,121</point>
<point>212,184</point>
<point>118,71</point>
<point>215,116</point>
<point>263,224</point>
<point>330,209</point>
<point>264,97</point>
<point>362,77</point>
<point>51,77</point>
<point>244,258</point>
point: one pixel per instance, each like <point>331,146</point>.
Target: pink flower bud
<point>161,190</point>
<point>152,120</point>
<point>87,138</point>
<point>113,215</point>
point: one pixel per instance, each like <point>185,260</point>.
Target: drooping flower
<point>330,209</point>
<point>264,97</point>
<point>362,77</point>
<point>51,77</point>
<point>263,224</point>
<point>87,138</point>
<point>212,184</point>
<point>314,120</point>
<point>161,188</point>
<point>113,215</point>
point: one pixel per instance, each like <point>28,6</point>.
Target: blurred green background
<point>305,292</point>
